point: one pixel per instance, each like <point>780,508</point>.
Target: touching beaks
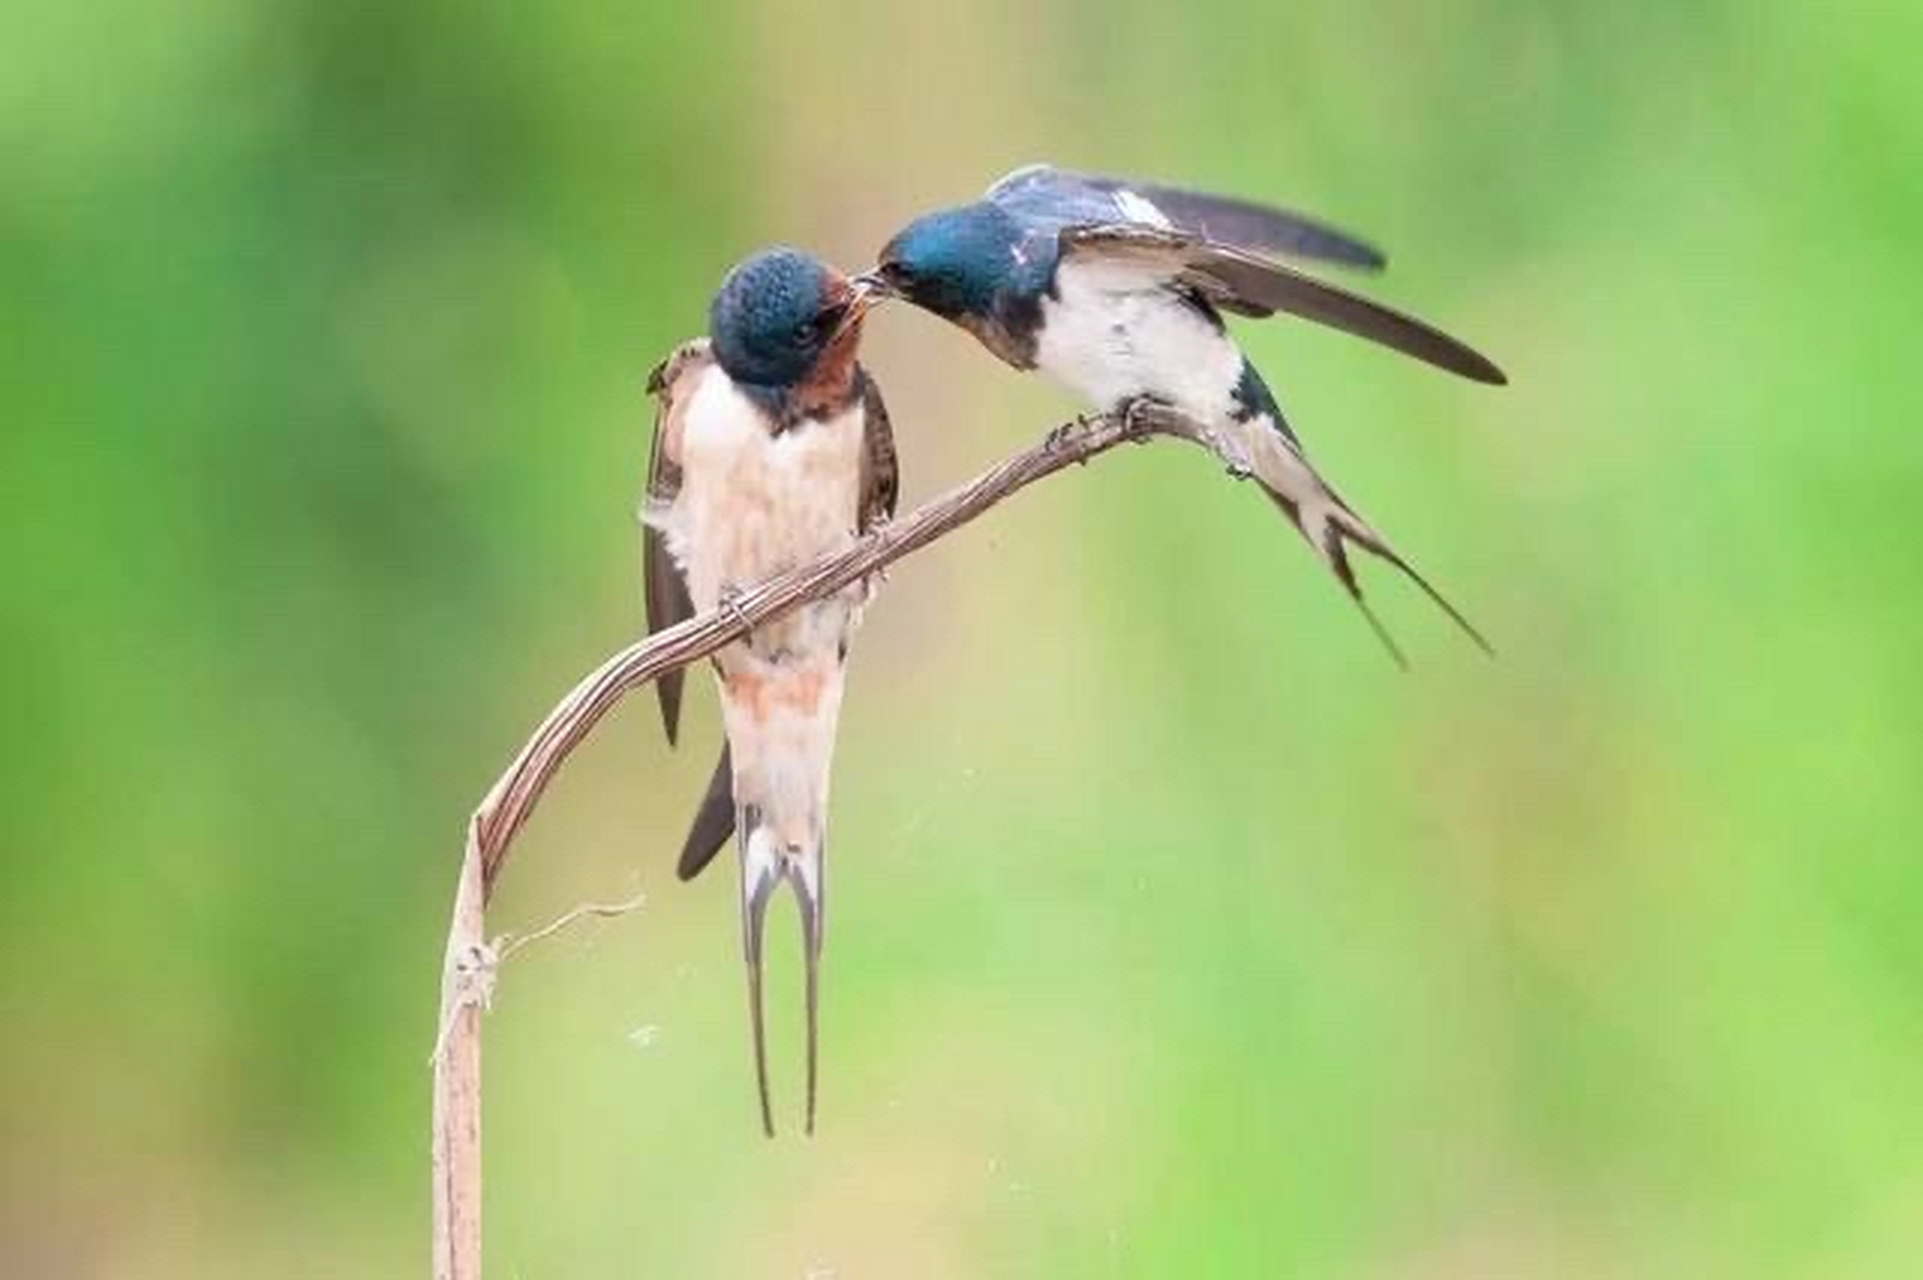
<point>875,286</point>
<point>761,872</point>
<point>862,295</point>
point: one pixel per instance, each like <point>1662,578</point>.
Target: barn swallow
<point>1116,289</point>
<point>771,447</point>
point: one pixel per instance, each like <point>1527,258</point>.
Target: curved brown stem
<point>467,969</point>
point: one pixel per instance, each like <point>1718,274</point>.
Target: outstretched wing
<point>1226,220</point>
<point>664,590</point>
<point>1237,281</point>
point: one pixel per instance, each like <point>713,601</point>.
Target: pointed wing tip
<point>1453,355</point>
<point>696,855</point>
<point>1457,357</point>
<point>667,694</point>
<point>1368,258</point>
<point>714,821</point>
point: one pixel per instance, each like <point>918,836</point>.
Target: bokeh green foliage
<point>1174,931</point>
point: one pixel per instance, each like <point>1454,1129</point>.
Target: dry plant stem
<point>478,965</point>
<point>467,969</point>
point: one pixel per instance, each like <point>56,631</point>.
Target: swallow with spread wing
<point>1117,289</point>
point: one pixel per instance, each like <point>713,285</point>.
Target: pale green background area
<point>1174,931</point>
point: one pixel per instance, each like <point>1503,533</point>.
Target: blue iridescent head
<point>955,262</point>
<point>777,314</point>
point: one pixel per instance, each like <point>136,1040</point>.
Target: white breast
<point>1115,331</point>
<point>754,503</point>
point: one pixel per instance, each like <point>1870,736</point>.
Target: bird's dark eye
<point>809,331</point>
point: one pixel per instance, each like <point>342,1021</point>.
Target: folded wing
<point>664,590</point>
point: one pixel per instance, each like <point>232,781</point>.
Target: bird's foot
<point>877,530</point>
<point>728,603</point>
<point>1142,416</point>
<point>1058,440</point>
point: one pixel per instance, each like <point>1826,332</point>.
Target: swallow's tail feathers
<point>1329,525</point>
<point>781,723</point>
<point>765,863</point>
<point>760,873</point>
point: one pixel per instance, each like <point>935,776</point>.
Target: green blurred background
<point>1175,932</point>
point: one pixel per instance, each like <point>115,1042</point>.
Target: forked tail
<point>765,863</point>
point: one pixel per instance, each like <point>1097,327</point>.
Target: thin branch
<point>508,943</point>
<point>467,965</point>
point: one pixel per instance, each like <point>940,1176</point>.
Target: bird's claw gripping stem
<point>728,601</point>
<point>1142,415</point>
<point>1061,437</point>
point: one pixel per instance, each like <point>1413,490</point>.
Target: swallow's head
<point>781,316</point>
<point>953,262</point>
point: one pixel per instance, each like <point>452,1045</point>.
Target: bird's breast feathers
<point>753,501</point>
<point>1112,331</point>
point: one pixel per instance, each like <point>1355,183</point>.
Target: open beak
<point>762,872</point>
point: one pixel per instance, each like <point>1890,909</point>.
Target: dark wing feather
<point>713,821</point>
<point>1258,228</point>
<point>668,604</point>
<point>664,590</point>
<point>880,468</point>
<point>1247,285</point>
<point>667,597</point>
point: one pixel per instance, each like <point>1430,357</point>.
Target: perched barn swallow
<point>771,448</point>
<point>1117,289</point>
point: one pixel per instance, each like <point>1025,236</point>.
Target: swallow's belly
<point>1112,333</point>
<point>755,503</point>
